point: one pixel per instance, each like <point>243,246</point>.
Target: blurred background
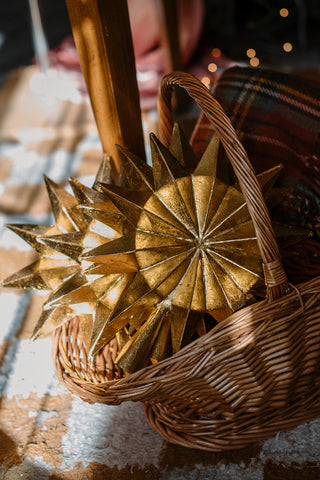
<point>273,33</point>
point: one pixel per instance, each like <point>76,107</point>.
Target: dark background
<point>231,25</point>
<point>239,24</point>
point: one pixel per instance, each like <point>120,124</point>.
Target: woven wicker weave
<point>255,374</point>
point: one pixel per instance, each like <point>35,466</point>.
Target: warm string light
<point>287,47</point>
<point>254,61</point>
<point>216,52</point>
<point>284,12</point>
<point>206,81</point>
<point>251,52</point>
<point>212,67</point>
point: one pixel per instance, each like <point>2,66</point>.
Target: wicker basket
<point>253,375</point>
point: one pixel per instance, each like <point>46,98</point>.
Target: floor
<point>45,432</point>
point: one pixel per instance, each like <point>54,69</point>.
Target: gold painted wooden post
<point>102,35</point>
<point>168,15</point>
<point>169,33</point>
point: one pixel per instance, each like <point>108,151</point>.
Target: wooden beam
<point>169,33</point>
<point>168,15</point>
<point>102,35</point>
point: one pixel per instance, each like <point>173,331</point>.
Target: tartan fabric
<point>277,118</point>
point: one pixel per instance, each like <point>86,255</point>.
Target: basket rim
<point>310,288</point>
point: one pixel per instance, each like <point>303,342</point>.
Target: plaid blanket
<point>277,117</point>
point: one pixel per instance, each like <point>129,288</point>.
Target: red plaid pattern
<point>277,118</point>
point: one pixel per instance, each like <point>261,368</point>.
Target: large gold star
<point>147,262</point>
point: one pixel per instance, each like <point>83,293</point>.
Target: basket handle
<point>275,276</point>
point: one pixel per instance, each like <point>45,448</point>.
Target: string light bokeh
<point>264,34</point>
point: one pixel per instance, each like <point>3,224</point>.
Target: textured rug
<point>45,432</point>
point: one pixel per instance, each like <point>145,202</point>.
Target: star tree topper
<point>146,262</point>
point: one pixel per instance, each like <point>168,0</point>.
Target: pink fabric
<point>146,30</point>
<point>150,57</point>
<point>149,54</point>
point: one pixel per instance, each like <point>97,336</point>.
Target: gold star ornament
<point>155,262</point>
